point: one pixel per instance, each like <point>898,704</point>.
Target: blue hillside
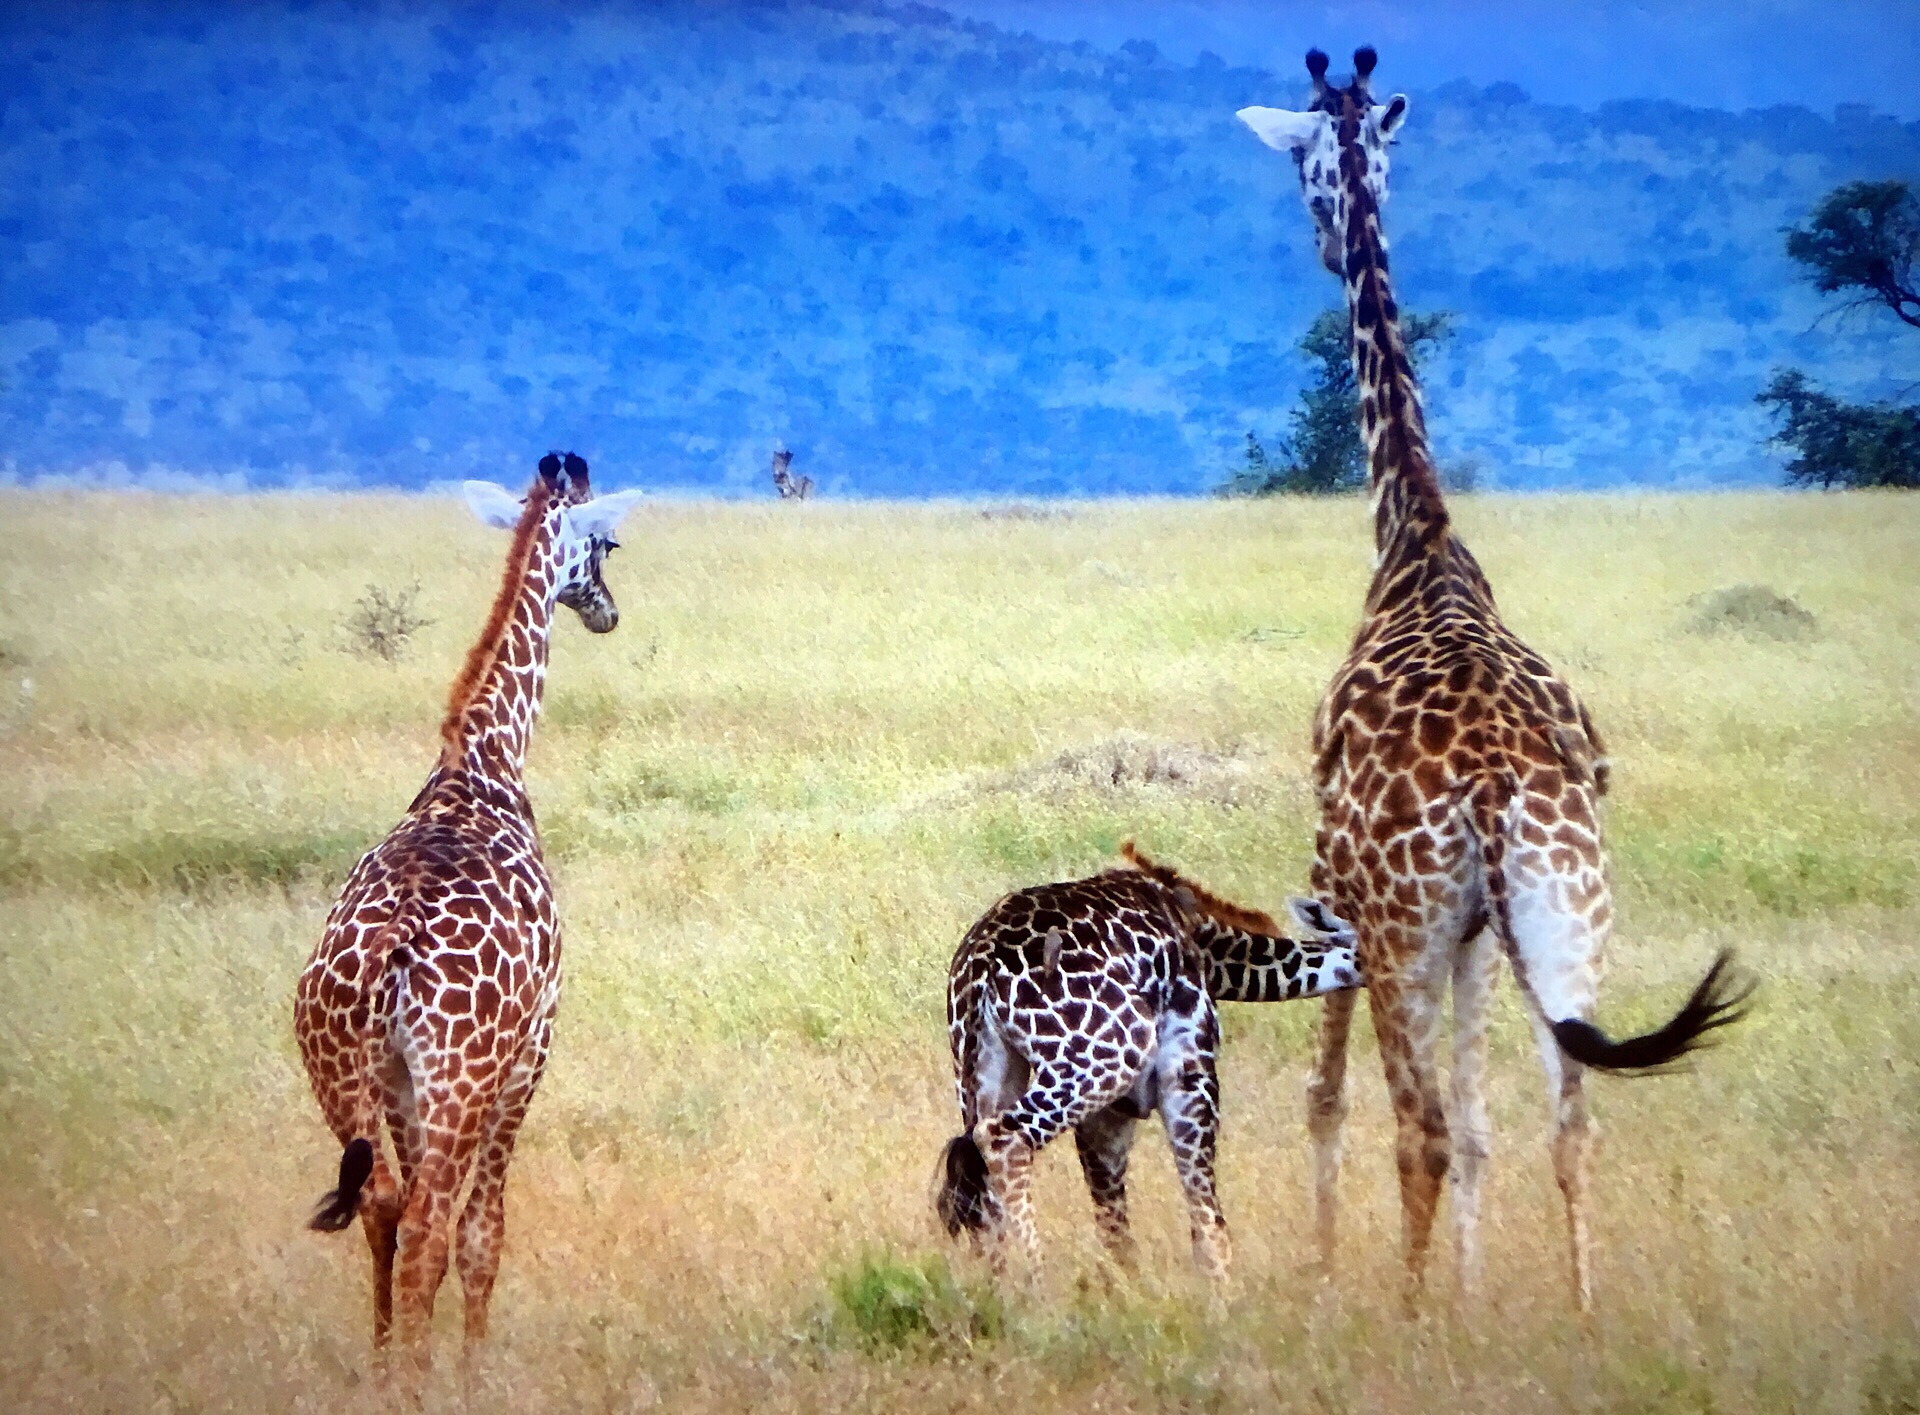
<point>397,244</point>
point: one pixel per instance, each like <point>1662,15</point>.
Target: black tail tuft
<point>962,1200</point>
<point>1719,1001</point>
<point>338,1208</point>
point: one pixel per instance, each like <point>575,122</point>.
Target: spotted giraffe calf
<point>1088,1005</point>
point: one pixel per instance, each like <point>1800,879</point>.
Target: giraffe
<point>1088,1005</point>
<point>428,1004</point>
<point>1458,779</point>
<point>790,487</point>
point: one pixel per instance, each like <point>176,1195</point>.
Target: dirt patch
<point>1131,761</point>
<point>1757,611</point>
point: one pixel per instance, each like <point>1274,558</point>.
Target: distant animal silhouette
<point>790,487</point>
<point>427,1008</point>
<point>1458,777</point>
<point>1089,1005</point>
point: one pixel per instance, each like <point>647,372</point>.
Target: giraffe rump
<point>962,1198</point>
<point>339,1206</point>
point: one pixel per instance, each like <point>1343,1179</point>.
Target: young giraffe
<point>1090,1004</point>
<point>1458,777</point>
<point>429,1001</point>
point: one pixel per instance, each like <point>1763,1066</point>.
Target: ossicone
<point>1363,61</point>
<point>576,466</point>
<point>1317,66</point>
<point>550,466</point>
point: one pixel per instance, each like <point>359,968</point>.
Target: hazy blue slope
<point>400,244</point>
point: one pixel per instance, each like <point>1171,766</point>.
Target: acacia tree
<point>1862,240</point>
<point>1843,444</point>
<point>1324,453</point>
<point>1864,237</point>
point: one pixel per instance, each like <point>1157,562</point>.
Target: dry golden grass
<point>823,739</point>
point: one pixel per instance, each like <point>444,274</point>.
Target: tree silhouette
<point>1324,453</point>
<point>1864,236</point>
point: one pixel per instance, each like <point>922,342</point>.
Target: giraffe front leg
<point>1475,968</point>
<point>1326,1113</point>
<point>1104,1140</point>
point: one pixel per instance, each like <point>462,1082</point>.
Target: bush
<point>1842,444</point>
<point>886,1303</point>
<point>383,621</point>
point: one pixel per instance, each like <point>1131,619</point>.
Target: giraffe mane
<point>487,647</point>
<point>1210,905</point>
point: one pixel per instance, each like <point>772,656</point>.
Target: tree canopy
<point>1323,453</point>
<point>1865,237</point>
<point>1843,444</point>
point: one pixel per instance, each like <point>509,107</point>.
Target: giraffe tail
<point>341,1204</point>
<point>338,1206</point>
<point>1719,1000</point>
<point>962,1200</point>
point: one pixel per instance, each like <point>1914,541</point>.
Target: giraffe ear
<point>601,515</point>
<point>1282,130</point>
<point>1317,918</point>
<point>494,505</point>
<point>1392,116</point>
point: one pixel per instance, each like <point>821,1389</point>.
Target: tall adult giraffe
<point>427,1007</point>
<point>1458,777</point>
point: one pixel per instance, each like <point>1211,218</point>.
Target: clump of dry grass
<point>1128,762</point>
<point>721,1197</point>
<point>1758,610</point>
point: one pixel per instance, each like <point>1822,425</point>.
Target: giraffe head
<point>1330,944</point>
<point>579,524</point>
<point>1343,133</point>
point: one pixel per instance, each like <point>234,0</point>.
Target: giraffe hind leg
<point>483,1225</point>
<point>1190,1111</point>
<point>1572,1143</point>
<point>1406,1013</point>
<point>1475,969</point>
<point>1103,1140</point>
<point>1057,1098</point>
<point>425,1228</point>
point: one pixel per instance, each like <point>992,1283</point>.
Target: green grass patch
<point>886,1304</point>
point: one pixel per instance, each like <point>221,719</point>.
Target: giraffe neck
<point>491,708</point>
<point>1410,515</point>
<point>1243,966</point>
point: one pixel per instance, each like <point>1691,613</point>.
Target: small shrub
<point>383,621</point>
<point>886,1303</point>
<point>1755,610</point>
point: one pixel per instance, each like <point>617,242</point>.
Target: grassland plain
<point>823,739</point>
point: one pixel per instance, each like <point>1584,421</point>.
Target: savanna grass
<point>823,739</point>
